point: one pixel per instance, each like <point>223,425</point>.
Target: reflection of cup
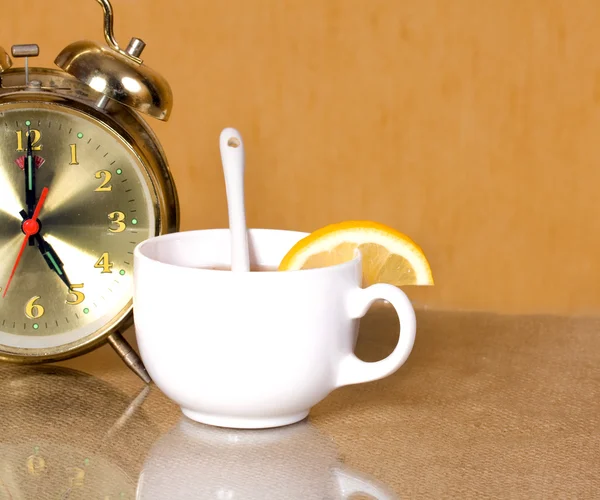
<point>253,349</point>
<point>293,463</point>
<point>67,434</point>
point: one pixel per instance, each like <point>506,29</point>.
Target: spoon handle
<point>232,157</point>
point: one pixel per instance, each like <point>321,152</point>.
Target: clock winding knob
<point>27,50</point>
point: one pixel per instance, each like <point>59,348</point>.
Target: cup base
<point>243,423</point>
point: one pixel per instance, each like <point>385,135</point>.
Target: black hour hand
<point>50,256</point>
<point>52,259</point>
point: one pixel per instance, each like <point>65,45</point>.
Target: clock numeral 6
<point>107,177</point>
<point>37,136</point>
<point>117,218</point>
<point>79,296</point>
<point>33,310</point>
<point>104,263</point>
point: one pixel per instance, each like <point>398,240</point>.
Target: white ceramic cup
<point>254,349</point>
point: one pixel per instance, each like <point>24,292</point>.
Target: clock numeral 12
<point>37,136</point>
<point>104,263</point>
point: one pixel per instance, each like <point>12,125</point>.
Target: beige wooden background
<point>471,125</point>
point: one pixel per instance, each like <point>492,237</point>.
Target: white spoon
<point>232,157</point>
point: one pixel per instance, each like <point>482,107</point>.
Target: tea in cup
<point>253,349</point>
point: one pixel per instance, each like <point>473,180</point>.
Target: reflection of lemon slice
<point>388,255</point>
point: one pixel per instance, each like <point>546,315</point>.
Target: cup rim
<point>139,252</point>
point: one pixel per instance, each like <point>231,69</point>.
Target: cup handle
<point>355,371</point>
<point>351,482</point>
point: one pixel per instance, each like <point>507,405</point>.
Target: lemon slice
<point>388,255</point>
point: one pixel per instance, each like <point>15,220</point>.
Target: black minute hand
<point>50,256</point>
<point>29,168</point>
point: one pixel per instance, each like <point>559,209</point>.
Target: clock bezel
<point>61,90</point>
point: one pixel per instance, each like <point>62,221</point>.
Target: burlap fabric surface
<point>486,407</point>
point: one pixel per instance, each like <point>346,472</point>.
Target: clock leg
<point>129,356</point>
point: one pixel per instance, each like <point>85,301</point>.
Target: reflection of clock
<point>68,435</point>
<point>60,472</point>
<point>83,180</point>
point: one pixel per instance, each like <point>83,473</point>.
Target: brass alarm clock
<point>83,180</point>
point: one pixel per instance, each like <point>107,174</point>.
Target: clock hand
<point>53,260</point>
<point>30,227</point>
<point>50,256</point>
<point>29,169</point>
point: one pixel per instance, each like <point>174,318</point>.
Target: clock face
<point>75,273</point>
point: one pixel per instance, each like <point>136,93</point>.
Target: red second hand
<point>31,228</point>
